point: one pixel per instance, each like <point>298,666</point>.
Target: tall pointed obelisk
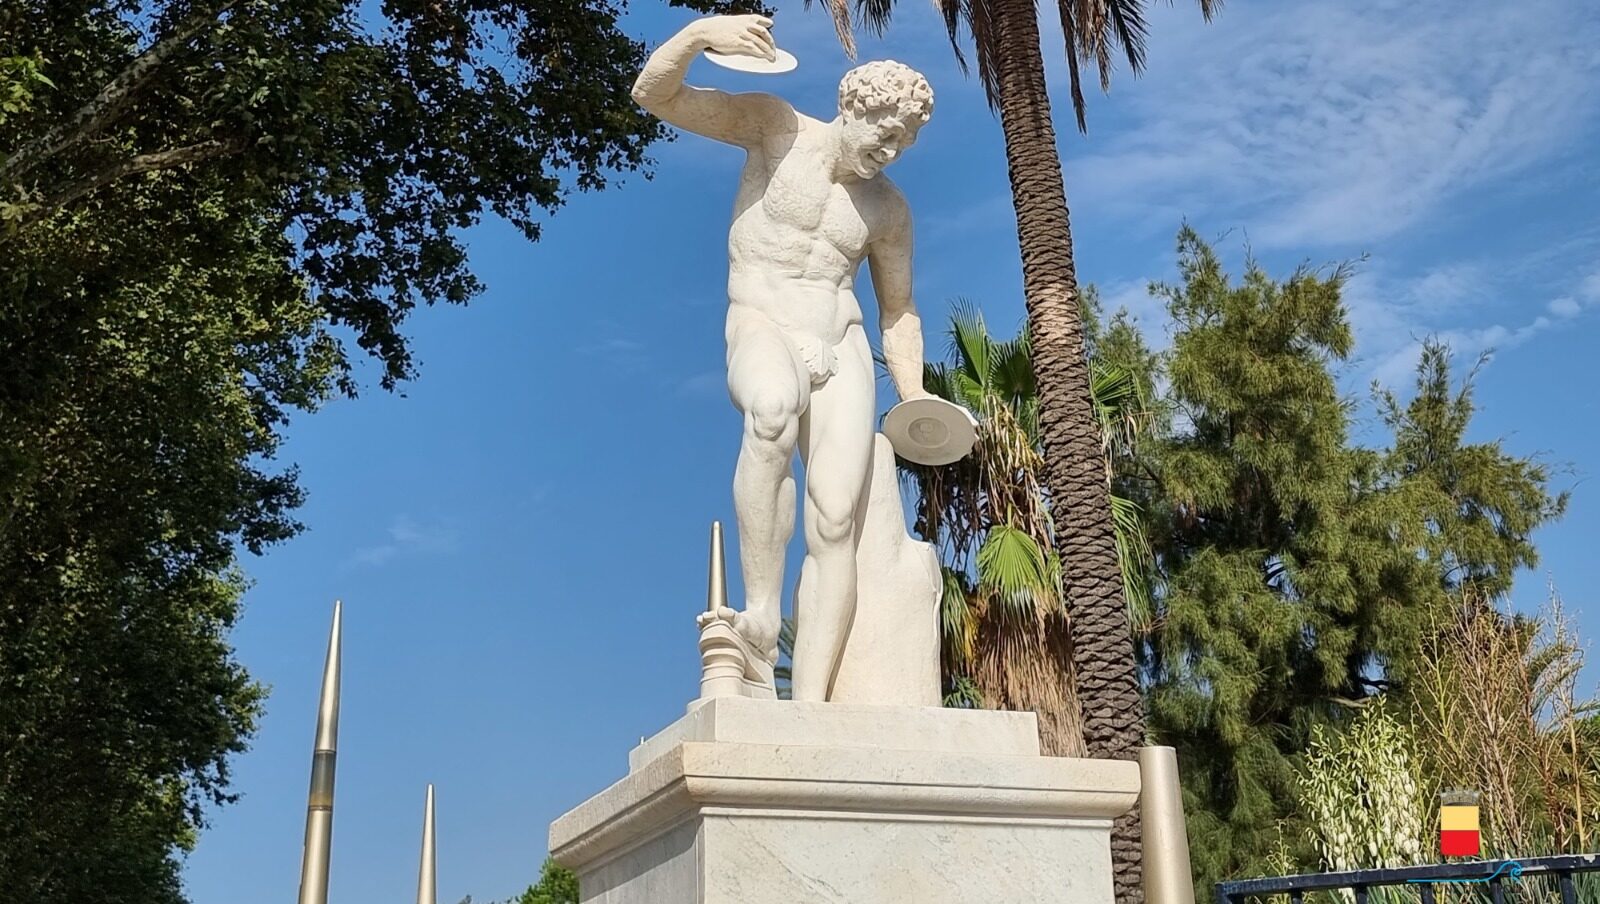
<point>717,580</point>
<point>319,805</point>
<point>427,880</point>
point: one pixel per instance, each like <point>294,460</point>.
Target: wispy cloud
<point>1149,312</point>
<point>406,536</point>
<point>1470,307</point>
<point>1330,124</point>
<point>1591,287</point>
<point>705,383</point>
<point>612,345</point>
<point>1393,318</point>
<point>1565,306</point>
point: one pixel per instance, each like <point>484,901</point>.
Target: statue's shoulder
<point>891,213</point>
<point>891,192</point>
<point>774,113</point>
<point>891,197</point>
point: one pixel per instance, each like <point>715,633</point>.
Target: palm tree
<point>1005,34</point>
<point>1002,620</point>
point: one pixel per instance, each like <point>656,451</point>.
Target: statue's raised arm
<point>740,119</point>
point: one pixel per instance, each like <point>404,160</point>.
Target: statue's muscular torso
<point>799,236</point>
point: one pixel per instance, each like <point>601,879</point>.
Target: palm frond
<point>1013,569</point>
<point>783,675</point>
<point>1028,418</point>
<point>1119,405</point>
<point>1135,557</point>
<point>1069,28</point>
<point>1131,31</point>
<point>935,379</point>
<point>1011,368</point>
<point>970,345</point>
<point>981,20</point>
<point>1113,385</point>
<point>786,638</point>
<point>1092,29</point>
<point>952,12</point>
<point>839,10</point>
<point>875,14</point>
<point>958,624</point>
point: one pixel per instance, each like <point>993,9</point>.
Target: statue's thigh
<point>837,441</point>
<point>764,377</point>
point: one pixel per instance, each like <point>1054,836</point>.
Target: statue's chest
<point>838,214</point>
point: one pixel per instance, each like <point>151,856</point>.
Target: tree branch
<point>109,103</point>
<point>144,163</point>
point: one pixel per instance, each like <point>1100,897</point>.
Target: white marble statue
<point>812,206</point>
<point>863,789</point>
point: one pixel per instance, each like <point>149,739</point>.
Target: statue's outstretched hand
<point>738,36</point>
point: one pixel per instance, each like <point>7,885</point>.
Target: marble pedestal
<point>748,801</point>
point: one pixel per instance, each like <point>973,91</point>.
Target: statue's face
<point>876,138</point>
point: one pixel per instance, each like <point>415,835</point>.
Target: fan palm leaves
<point>1001,615</point>
<point>1097,33</point>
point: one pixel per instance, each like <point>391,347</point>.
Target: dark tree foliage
<point>1296,572</point>
<point>199,202</point>
<point>143,372</point>
<point>371,143</point>
<point>556,885</point>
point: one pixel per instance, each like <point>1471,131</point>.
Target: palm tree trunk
<point>1102,648</point>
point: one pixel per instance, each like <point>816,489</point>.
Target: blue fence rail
<point>1492,877</point>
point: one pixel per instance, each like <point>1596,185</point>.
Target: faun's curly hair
<point>886,85</point>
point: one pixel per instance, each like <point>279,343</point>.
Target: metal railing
<point>1492,877</point>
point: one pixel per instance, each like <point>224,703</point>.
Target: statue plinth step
<point>771,802</point>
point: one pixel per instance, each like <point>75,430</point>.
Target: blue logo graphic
<point>1511,868</point>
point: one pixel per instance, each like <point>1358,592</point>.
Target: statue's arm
<point>890,260</point>
<point>740,119</point>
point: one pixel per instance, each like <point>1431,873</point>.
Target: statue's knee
<point>834,524</point>
<point>772,420</point>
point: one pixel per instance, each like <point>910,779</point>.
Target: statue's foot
<point>759,634</point>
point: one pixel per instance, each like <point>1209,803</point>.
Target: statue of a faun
<point>812,206</point>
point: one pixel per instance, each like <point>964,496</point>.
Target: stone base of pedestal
<point>772,802</point>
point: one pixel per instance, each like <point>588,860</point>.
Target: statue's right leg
<point>770,388</point>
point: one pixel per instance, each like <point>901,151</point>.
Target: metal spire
<point>319,803</point>
<point>717,582</point>
<point>427,881</point>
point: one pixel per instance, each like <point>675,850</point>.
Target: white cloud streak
<point>1393,317</point>
<point>406,536</point>
<point>1327,124</point>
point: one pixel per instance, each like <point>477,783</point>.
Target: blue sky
<point>520,538</point>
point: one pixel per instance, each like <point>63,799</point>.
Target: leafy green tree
<point>1296,571</point>
<point>556,885</point>
<point>134,456</point>
<point>20,77</point>
<point>200,202</point>
<point>372,143</point>
<point>1479,505</point>
<point>1265,573</point>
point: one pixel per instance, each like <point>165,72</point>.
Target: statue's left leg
<point>836,446</point>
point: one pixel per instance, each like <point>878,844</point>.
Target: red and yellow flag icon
<point>1458,829</point>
